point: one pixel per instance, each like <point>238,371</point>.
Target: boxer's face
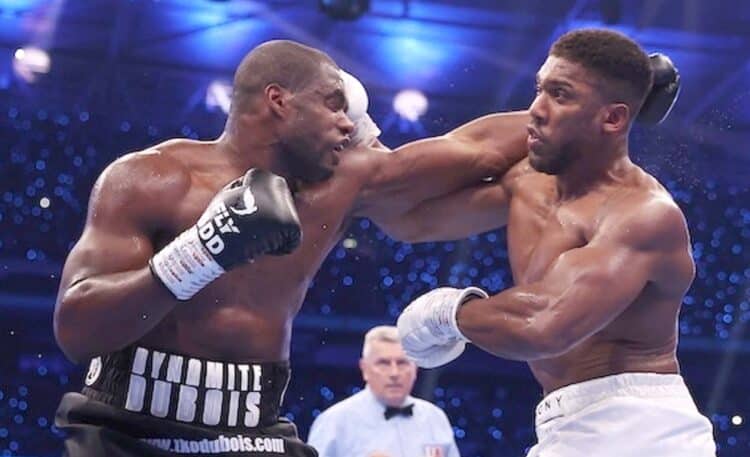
<point>317,128</point>
<point>388,372</point>
<point>565,115</point>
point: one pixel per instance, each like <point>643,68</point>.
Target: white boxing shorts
<point>624,415</point>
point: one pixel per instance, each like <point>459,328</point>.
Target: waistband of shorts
<point>187,389</point>
<point>569,400</point>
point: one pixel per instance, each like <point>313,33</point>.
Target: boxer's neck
<point>246,148</point>
<point>593,168</point>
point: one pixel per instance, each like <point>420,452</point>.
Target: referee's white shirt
<point>356,427</point>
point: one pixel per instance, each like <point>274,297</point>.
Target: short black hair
<point>618,60</point>
<point>287,63</point>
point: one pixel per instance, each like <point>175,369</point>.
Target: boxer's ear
<point>276,97</point>
<point>616,118</point>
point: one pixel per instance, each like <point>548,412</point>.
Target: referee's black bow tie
<point>392,411</point>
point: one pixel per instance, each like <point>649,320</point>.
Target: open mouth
<point>533,133</point>
<point>342,145</point>
<point>534,139</point>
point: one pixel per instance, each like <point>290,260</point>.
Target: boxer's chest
<point>323,211</point>
<point>541,227</point>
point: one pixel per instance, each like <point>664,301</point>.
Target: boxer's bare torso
<point>542,229</point>
<point>599,275</point>
<point>247,313</point>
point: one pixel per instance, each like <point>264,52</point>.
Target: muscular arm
<point>108,298</point>
<point>464,213</point>
<point>468,211</point>
<point>586,288</point>
<point>423,170</point>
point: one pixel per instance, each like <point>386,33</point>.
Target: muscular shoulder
<point>364,160</point>
<point>361,167</point>
<point>650,225</point>
<point>138,183</point>
<point>648,220</point>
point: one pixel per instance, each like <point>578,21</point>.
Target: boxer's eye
<point>336,101</point>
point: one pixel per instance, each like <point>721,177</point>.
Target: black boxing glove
<point>663,93</point>
<point>250,217</point>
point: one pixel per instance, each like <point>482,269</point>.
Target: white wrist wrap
<point>446,315</point>
<point>185,266</point>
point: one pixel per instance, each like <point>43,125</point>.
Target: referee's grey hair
<point>385,333</point>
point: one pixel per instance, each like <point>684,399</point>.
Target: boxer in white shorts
<point>600,255</point>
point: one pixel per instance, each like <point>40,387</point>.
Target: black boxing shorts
<point>142,402</point>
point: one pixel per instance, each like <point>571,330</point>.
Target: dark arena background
<point>83,82</point>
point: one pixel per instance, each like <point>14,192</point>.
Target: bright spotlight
<point>219,95</point>
<point>737,420</point>
<point>29,62</point>
<point>410,104</point>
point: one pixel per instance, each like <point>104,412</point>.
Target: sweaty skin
<point>599,280</point>
<point>108,298</point>
<point>600,252</point>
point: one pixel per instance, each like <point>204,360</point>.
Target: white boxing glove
<point>365,130</point>
<point>428,329</point>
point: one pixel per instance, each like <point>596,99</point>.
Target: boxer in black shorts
<point>143,402</point>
